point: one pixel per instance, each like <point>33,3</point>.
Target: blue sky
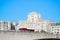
<point>16,10</point>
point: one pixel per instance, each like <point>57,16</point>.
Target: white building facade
<point>7,25</point>
<point>55,28</point>
<point>35,22</point>
<point>4,25</point>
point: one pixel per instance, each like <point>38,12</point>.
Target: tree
<point>42,31</point>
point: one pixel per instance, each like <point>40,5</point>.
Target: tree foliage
<point>42,31</point>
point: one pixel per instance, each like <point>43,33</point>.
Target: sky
<point>16,10</point>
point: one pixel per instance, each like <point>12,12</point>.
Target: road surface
<point>24,35</point>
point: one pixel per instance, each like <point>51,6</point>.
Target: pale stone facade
<point>34,22</point>
<point>55,29</point>
<point>33,17</point>
<point>7,25</point>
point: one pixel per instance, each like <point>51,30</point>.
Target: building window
<point>4,22</point>
<point>55,31</point>
<point>58,30</point>
<point>52,27</point>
